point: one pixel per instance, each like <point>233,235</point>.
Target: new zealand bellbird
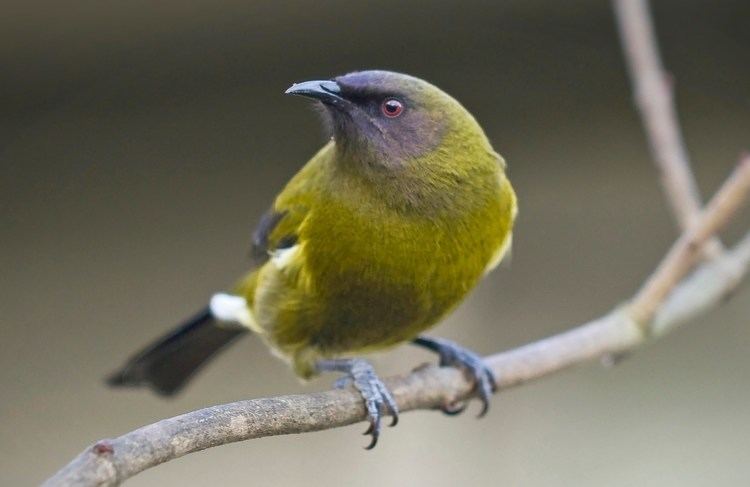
<point>374,240</point>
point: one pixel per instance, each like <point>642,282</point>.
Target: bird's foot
<point>454,355</point>
<point>376,395</point>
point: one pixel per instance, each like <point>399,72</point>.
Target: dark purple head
<point>387,116</point>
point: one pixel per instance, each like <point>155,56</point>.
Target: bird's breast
<point>394,273</point>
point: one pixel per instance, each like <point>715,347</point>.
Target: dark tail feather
<point>167,364</point>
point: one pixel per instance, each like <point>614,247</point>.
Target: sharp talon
<point>453,409</point>
<point>390,403</point>
<point>485,389</point>
<point>373,442</point>
<point>378,399</point>
<point>373,430</point>
<point>491,379</point>
<point>483,411</point>
<point>454,355</point>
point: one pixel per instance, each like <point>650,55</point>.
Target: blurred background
<point>141,141</point>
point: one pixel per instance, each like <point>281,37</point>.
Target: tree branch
<point>659,307</point>
<point>689,248</point>
<point>654,98</point>
<point>666,300</point>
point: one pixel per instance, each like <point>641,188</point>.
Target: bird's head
<point>390,118</point>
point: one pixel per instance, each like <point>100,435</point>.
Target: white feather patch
<point>230,308</point>
<point>282,257</point>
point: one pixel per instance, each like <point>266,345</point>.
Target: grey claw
<point>456,356</point>
<point>454,409</point>
<point>375,432</point>
<point>376,395</point>
<point>486,386</point>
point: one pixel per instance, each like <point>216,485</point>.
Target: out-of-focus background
<point>140,142</point>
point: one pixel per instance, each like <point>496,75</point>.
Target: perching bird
<point>381,234</point>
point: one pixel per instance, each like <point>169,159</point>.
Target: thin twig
<point>653,95</point>
<point>709,285</point>
<point>110,462</point>
<point>689,248</point>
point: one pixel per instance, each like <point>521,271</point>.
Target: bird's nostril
<point>331,87</point>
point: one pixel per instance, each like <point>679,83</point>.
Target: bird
<point>380,235</point>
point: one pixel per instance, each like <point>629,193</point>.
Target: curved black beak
<point>325,91</point>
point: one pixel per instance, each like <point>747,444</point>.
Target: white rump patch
<point>230,308</point>
<point>282,257</point>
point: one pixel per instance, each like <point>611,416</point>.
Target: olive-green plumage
<point>383,232</point>
<point>386,243</point>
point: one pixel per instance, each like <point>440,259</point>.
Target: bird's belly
<point>376,308</point>
<point>347,292</point>
<point>390,291</point>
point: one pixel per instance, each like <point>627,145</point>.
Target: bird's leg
<point>376,395</point>
<point>454,355</point>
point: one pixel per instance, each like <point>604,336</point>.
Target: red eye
<point>392,108</point>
